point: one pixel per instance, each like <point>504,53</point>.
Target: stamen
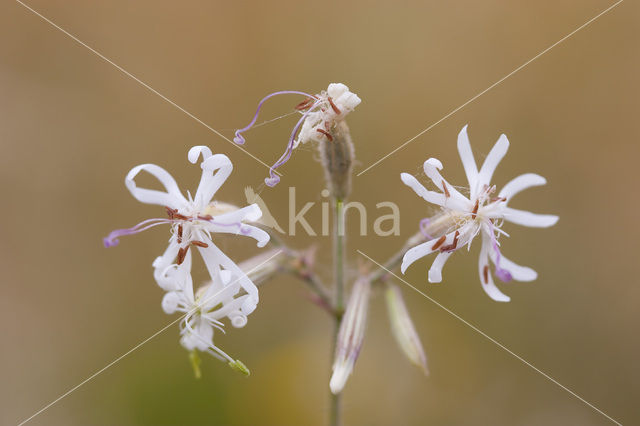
<point>200,244</point>
<point>182,253</point>
<point>305,104</point>
<point>439,242</point>
<point>333,106</point>
<point>239,139</point>
<point>327,134</point>
<point>485,273</point>
<point>445,189</point>
<point>179,234</point>
<point>453,245</point>
<point>475,210</point>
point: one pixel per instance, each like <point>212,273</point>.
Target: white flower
<point>350,335</point>
<point>320,113</point>
<point>193,220</point>
<point>462,218</point>
<point>220,298</point>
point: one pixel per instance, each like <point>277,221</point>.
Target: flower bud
<point>351,334</point>
<point>403,329</point>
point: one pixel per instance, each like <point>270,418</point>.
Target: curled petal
<point>435,272</point>
<point>532,220</point>
<point>171,198</point>
<point>432,169</point>
<point>215,171</point>
<point>521,183</point>
<point>418,188</point>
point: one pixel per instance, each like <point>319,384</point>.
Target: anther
<point>206,217</point>
<point>445,189</point>
<point>182,253</point>
<point>179,234</point>
<point>485,273</point>
<point>475,209</point>
<point>453,245</point>
<point>438,243</point>
<point>200,244</point>
<point>304,104</point>
<point>327,134</point>
<point>333,106</point>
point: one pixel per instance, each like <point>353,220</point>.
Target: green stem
<point>339,263</point>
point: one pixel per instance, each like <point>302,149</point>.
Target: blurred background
<point>72,125</point>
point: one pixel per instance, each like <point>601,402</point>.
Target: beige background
<point>71,126</point>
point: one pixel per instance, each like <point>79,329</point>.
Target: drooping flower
<point>461,219</point>
<point>193,220</point>
<point>320,113</point>
<point>350,334</point>
<point>203,310</point>
<point>403,329</point>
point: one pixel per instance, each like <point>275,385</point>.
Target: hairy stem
<point>339,263</point>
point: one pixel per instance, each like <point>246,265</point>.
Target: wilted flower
<point>462,218</point>
<point>320,113</point>
<point>403,329</point>
<point>193,220</point>
<point>351,334</point>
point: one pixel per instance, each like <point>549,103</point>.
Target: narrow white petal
<point>424,249</point>
<point>214,258</point>
<point>519,273</point>
<point>491,162</point>
<point>468,162</point>
<point>486,280</point>
<point>431,169</point>
<point>521,183</point>
<point>171,198</point>
<point>418,188</point>
<point>529,219</point>
<point>215,171</point>
<point>435,272</point>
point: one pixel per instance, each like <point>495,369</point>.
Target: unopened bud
<point>351,334</point>
<point>403,329</point>
<point>239,366</point>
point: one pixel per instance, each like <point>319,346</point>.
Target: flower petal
<point>231,223</point>
<point>418,188</point>
<point>172,198</point>
<point>424,249</point>
<point>431,169</point>
<point>521,183</point>
<point>215,171</point>
<point>529,219</point>
<point>518,273</point>
<point>491,162</point>
<point>435,272</point>
<point>486,279</point>
<point>468,162</point>
<point>214,258</point>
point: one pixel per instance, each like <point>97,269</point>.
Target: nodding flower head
<point>319,114</point>
<point>461,219</point>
